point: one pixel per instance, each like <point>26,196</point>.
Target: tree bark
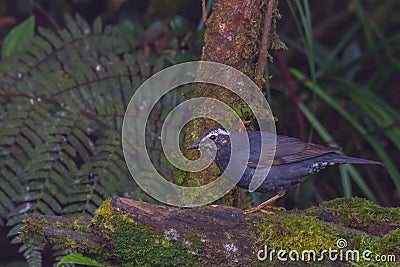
<point>233,36</point>
<point>214,235</point>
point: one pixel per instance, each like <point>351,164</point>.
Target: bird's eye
<point>212,137</point>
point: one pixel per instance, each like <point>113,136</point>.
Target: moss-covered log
<point>133,233</point>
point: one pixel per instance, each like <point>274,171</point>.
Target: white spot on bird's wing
<point>318,166</point>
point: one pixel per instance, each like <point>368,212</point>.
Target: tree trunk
<point>236,36</point>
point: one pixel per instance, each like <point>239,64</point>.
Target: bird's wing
<point>288,150</point>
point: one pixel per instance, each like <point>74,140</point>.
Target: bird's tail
<point>342,159</point>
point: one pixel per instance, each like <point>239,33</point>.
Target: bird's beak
<point>193,146</point>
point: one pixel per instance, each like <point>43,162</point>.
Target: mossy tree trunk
<point>236,36</point>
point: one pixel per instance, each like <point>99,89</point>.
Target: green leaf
<point>178,26</point>
<point>19,38</point>
<point>53,159</point>
<point>346,171</point>
<point>379,149</point>
<point>78,259</point>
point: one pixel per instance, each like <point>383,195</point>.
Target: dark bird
<point>293,161</point>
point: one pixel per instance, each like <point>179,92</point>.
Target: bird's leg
<point>268,204</point>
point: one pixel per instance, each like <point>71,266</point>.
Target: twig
<point>264,43</point>
<point>45,14</point>
<point>204,13</point>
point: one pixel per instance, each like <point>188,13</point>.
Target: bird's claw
<point>266,209</point>
<point>267,204</point>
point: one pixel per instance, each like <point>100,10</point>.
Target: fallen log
<point>134,233</point>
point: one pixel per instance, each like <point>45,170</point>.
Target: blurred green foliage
<point>19,38</point>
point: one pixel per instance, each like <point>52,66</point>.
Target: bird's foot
<point>265,209</point>
<point>267,204</point>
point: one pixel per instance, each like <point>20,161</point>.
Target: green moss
<point>70,243</point>
<point>291,231</point>
<point>135,245</point>
<point>104,215</point>
<point>374,247</point>
<point>179,176</point>
<point>32,231</point>
<point>391,242</point>
<point>357,210</point>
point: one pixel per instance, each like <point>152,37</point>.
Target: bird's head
<point>213,138</point>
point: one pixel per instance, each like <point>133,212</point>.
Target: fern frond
<point>32,255</point>
<point>62,106</point>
